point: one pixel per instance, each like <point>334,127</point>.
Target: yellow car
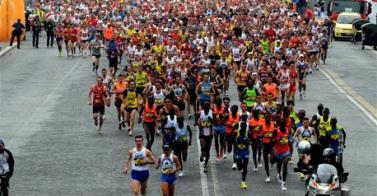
<point>343,25</point>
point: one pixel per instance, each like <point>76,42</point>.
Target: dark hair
<point>138,136</point>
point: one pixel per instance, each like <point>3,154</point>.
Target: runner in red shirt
<point>282,152</point>
<point>98,97</point>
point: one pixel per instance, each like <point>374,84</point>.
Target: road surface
<point>47,124</point>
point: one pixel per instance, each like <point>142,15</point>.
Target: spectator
<point>17,32</point>
<point>6,168</point>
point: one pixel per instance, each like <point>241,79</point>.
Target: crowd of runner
<point>171,61</point>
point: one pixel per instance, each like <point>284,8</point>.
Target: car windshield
<point>347,6</point>
<point>346,19</point>
<point>325,173</point>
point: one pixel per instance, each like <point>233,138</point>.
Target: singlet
<point>178,91</point>
<point>84,34</point>
<point>98,94</point>
<point>282,142</point>
<point>141,79</point>
<point>130,99</point>
<point>230,122</point>
<point>324,126</point>
<point>206,124</point>
<point>268,132</point>
<point>250,96</point>
<point>167,163</point>
<point>136,157</point>
<point>242,147</point>
<point>236,54</point>
<point>171,122</point>
<point>149,114</point>
<point>256,125</point>
<point>159,97</point>
<point>306,134</point>
<point>205,91</point>
<point>219,116</point>
<point>261,107</point>
<point>181,133</point>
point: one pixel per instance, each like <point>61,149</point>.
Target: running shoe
<point>278,176</point>
<point>234,166</point>
<point>268,179</point>
<point>181,174</point>
<point>205,168</point>
<point>218,158</point>
<point>255,169</point>
<point>283,187</point>
<point>243,185</point>
<point>201,158</point>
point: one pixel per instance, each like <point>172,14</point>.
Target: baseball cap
<point>254,74</point>
<point>2,142</point>
<point>301,55</point>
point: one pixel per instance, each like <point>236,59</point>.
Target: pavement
<point>47,124</point>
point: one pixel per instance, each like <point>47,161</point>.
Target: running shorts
<point>140,176</point>
<point>99,109</point>
<point>169,179</point>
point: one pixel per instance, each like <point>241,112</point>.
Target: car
<point>343,25</point>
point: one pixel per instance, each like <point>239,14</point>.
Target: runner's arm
<point>177,164</point>
<point>151,159</point>
<point>158,163</point>
<point>90,96</point>
<point>127,164</point>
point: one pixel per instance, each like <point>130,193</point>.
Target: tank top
<point>167,163</point>
<point>205,91</point>
<point>206,124</point>
<point>230,122</point>
<point>98,94</point>
<point>131,99</point>
<point>324,126</point>
<point>159,97</point>
<point>171,122</point>
<point>181,132</point>
<point>84,34</point>
<point>149,113</point>
<point>306,134</point>
<point>219,116</point>
<point>136,157</point>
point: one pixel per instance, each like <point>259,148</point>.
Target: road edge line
<point>203,176</point>
<point>349,97</point>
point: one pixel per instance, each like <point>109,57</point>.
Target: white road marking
<point>351,99</point>
<point>203,176</point>
<point>214,171</point>
<point>25,132</point>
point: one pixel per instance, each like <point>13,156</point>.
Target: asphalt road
<point>47,124</point>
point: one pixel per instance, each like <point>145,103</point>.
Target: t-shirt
<point>93,44</point>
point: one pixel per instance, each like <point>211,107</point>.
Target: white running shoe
<point>234,166</point>
<point>283,187</point>
<point>181,174</point>
<point>260,165</point>
<point>255,169</point>
<point>225,155</point>
<point>268,179</point>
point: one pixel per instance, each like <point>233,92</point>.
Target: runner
<point>129,105</point>
<point>149,118</point>
<point>170,165</point>
<point>282,153</point>
<point>59,36</point>
<point>219,128</point>
<point>183,132</point>
<point>138,160</point>
<point>205,134</point>
<point>255,127</point>
<point>96,46</point>
<point>98,97</point>
<point>118,89</point>
<point>232,122</point>
<point>242,151</point>
<point>268,133</point>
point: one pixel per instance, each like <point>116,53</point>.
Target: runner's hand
<point>125,171</point>
<point>89,103</point>
<point>189,143</point>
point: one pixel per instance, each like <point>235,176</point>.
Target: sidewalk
<point>5,48</point>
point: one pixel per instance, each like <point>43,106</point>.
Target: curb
<point>6,50</point>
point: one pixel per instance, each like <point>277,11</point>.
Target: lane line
<point>214,170</point>
<point>368,114</point>
<point>352,92</point>
<point>24,131</point>
<point>203,176</point>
